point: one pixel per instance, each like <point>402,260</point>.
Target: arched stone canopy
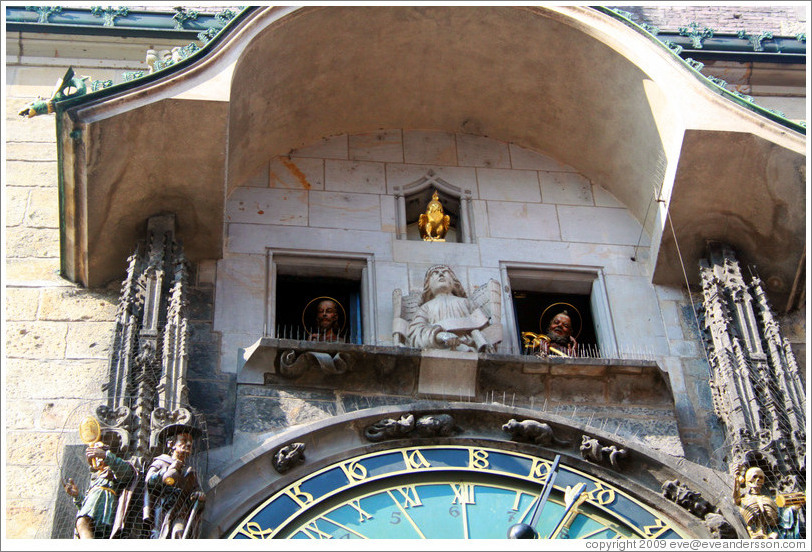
<point>569,82</point>
<point>516,75</point>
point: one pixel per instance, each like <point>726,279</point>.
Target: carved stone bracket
<point>532,431</point>
<point>161,418</point>
<point>288,457</point>
<point>293,364</point>
<point>430,425</point>
<point>117,421</point>
<point>594,451</point>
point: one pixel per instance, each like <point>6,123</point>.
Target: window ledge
<point>401,371</point>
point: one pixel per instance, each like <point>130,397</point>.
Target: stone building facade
<point>270,197</point>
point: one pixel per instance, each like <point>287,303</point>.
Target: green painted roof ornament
<point>692,31</point>
<point>756,40</point>
<point>44,12</point>
<point>109,14</point>
<point>182,15</point>
<point>62,91</point>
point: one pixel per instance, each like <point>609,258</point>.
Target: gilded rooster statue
<point>433,223</point>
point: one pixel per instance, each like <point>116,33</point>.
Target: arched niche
<point>412,199</point>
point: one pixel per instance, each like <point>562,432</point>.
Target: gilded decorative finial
<point>433,223</point>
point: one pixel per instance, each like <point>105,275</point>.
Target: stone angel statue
<point>444,316</point>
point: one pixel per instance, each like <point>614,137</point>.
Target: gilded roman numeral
<point>463,493</point>
<point>363,515</point>
<point>415,460</point>
<point>313,532</point>
<point>516,501</point>
<point>410,496</point>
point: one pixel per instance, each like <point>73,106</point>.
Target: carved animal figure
<point>532,431</point>
<point>615,455</point>
<point>70,81</point>
<point>288,456</point>
<point>389,428</point>
<point>591,449</point>
<point>435,425</point>
<point>687,499</point>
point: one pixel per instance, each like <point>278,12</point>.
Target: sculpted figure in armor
<point>446,318</point>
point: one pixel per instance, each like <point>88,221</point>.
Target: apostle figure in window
<point>328,316</point>
<point>558,338</point>
<point>174,499</point>
<point>446,317</point>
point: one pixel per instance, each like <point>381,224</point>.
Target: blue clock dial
<point>448,492</point>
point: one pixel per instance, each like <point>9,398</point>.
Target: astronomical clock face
<point>455,492</point>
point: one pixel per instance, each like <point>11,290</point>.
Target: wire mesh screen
<point>107,489</point>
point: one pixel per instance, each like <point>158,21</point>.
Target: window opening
<point>299,300</point>
<point>534,311</point>
<point>536,288</point>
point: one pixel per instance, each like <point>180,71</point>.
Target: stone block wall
<point>338,196</point>
<point>57,335</point>
<point>211,393</point>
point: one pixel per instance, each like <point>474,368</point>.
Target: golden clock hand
<point>573,497</point>
<point>408,517</point>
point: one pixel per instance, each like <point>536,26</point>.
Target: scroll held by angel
<point>444,316</point>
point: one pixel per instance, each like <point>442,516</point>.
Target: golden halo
<point>577,312</point>
<point>322,298</point>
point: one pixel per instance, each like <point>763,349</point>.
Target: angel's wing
<point>403,309</point>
